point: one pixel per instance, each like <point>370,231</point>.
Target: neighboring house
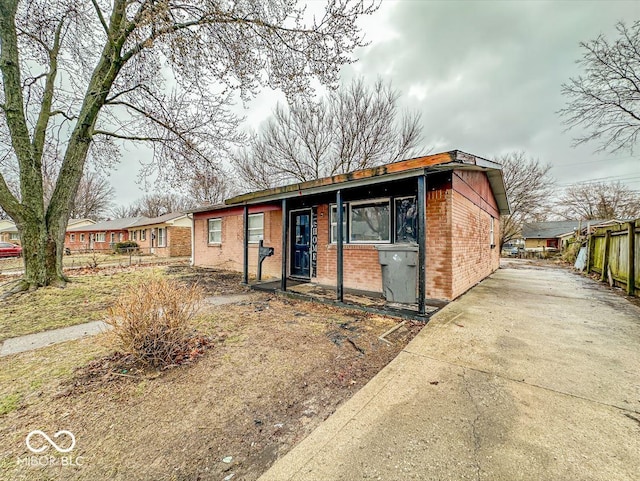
<point>79,222</point>
<point>553,235</point>
<point>457,197</point>
<point>168,235</point>
<point>9,232</point>
<point>98,236</point>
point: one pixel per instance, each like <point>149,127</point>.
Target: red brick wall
<point>84,246</point>
<point>473,256</point>
<point>229,254</point>
<point>439,247</point>
<point>179,241</point>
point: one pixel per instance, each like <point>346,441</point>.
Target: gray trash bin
<point>398,263</point>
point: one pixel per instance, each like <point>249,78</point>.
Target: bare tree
<point>154,205</point>
<point>93,199</point>
<point>606,98</point>
<point>209,186</point>
<point>600,200</point>
<point>80,78</point>
<point>529,188</point>
<point>354,127</point>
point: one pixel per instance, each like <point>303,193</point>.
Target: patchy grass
<point>85,299</point>
<point>278,368</point>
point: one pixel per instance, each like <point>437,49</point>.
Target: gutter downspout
<point>192,261</point>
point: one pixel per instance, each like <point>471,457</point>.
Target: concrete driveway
<point>532,375</point>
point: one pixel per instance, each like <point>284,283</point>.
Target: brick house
<point>447,204</point>
<point>166,236</point>
<point>100,236</point>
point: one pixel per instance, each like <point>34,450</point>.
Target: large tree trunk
<point>42,249</point>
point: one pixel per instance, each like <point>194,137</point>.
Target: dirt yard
<point>276,369</point>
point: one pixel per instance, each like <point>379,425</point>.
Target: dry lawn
<point>277,368</point>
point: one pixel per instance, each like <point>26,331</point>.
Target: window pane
<point>406,220</point>
<point>334,223</point>
<point>256,230</point>
<point>215,231</point>
<point>370,222</point>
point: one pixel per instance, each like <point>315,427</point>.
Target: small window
<point>256,227</point>
<point>81,237</point>
<point>215,231</point>
<point>406,220</point>
<point>143,234</point>
<point>112,237</point>
<point>134,235</point>
<point>121,236</point>
<point>14,236</point>
<point>370,221</point>
<point>492,240</point>
<point>72,237</point>
<point>100,237</point>
<point>162,237</point>
<point>334,223</point>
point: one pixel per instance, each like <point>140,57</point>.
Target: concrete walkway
<point>532,375</point>
<point>30,342</point>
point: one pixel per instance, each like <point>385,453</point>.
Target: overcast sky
<point>486,77</point>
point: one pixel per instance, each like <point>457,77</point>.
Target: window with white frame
<point>334,223</point>
<point>112,237</point>
<point>215,231</point>
<point>72,237</point>
<point>14,236</point>
<point>134,235</point>
<point>162,237</point>
<point>81,237</point>
<point>256,227</point>
<point>370,221</point>
<point>121,237</point>
<point>143,234</point>
<point>100,237</point>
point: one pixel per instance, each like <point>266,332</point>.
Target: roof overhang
<point>447,161</point>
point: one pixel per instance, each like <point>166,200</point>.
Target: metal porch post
<point>422,242</point>
<point>285,229</point>
<point>245,247</point>
<point>339,251</point>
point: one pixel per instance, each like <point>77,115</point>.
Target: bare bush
<point>152,322</point>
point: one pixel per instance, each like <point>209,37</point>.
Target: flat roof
<point>452,160</point>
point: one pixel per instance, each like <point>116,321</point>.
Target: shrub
<point>570,253</point>
<point>126,246</point>
<point>152,322</point>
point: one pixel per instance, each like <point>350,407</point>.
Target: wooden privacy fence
<point>614,253</point>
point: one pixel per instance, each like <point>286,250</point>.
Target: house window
<point>112,237</point>
<point>369,221</point>
<point>81,237</point>
<point>14,236</point>
<point>134,235</point>
<point>334,223</point>
<point>162,237</point>
<point>100,237</point>
<point>121,237</point>
<point>256,227</point>
<point>143,234</point>
<point>215,231</point>
<point>72,237</point>
<point>406,212</point>
<point>492,240</point>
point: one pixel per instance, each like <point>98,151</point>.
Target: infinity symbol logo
<point>50,441</point>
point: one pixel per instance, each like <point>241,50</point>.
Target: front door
<point>300,242</point>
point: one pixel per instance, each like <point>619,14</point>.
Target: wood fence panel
<point>598,251</point>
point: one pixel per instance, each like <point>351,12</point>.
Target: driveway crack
<point>473,425</point>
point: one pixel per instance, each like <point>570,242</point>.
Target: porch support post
<point>339,251</point>
<point>285,230</point>
<point>422,242</point>
<point>245,247</point>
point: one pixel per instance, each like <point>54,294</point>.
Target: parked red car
<point>10,250</point>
